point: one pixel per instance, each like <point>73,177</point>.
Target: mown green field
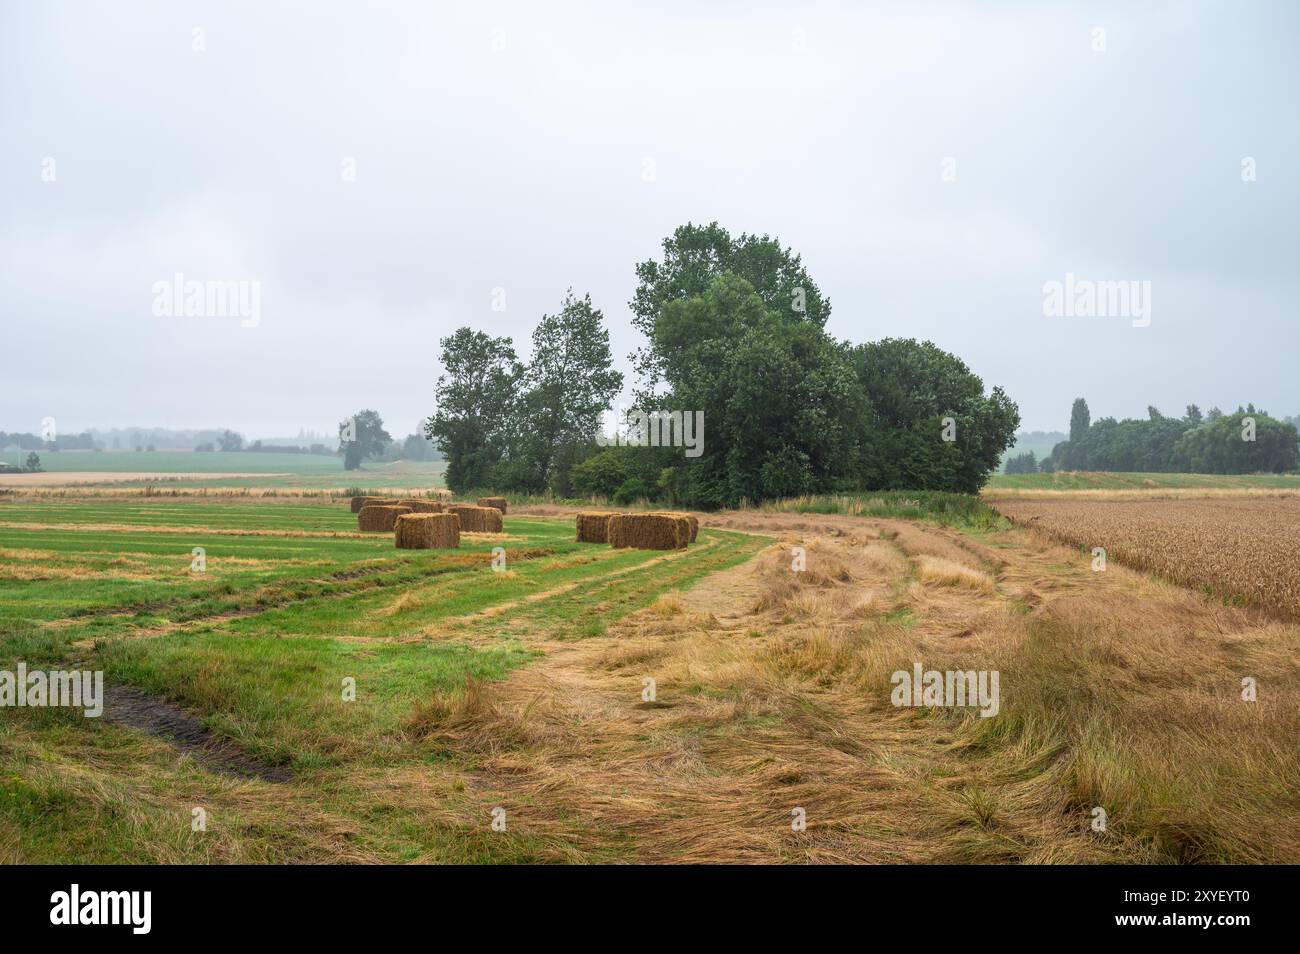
<point>291,603</point>
<point>1106,480</point>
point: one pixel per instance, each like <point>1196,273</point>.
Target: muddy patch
<point>170,723</point>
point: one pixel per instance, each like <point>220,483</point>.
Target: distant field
<point>1087,480</point>
<point>283,470</point>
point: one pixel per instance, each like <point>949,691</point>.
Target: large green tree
<point>937,429</point>
<point>782,411</point>
<point>569,383</point>
<point>478,397</point>
<point>693,256</point>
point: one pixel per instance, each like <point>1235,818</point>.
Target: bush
<point>632,490</point>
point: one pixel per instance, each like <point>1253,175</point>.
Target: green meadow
<point>288,606</point>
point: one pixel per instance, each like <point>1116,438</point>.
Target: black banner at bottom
<point>224,904</point>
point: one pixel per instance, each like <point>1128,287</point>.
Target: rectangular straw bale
<point>649,531</point>
<point>477,519</point>
<point>379,517</point>
<point>423,506</point>
<point>364,501</point>
<point>593,527</point>
<point>498,502</point>
<point>427,531</point>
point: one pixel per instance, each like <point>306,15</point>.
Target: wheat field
<point>1243,549</point>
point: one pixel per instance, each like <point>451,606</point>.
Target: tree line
<point>734,329</point>
<point>1246,441</point>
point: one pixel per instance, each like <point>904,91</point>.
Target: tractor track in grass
<point>366,579</point>
<point>135,709</point>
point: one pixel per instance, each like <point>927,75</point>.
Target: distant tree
<point>1025,463</point>
<point>33,465</point>
<point>417,447</point>
<point>149,449</point>
<point>228,441</point>
<point>369,439</point>
<point>1080,419</point>
<point>476,398</point>
<point>1193,416</point>
<point>1221,446</point>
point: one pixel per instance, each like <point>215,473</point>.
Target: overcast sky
<point>503,146</point>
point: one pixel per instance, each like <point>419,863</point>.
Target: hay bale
<point>379,517</point>
<point>422,506</point>
<point>649,531</point>
<point>477,519</point>
<point>498,502</point>
<point>427,531</point>
<point>593,527</point>
<point>694,520</point>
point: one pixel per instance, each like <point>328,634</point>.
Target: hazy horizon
<point>510,149</point>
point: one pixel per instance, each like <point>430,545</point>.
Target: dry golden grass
<point>773,693</point>
<point>944,572</point>
<point>1241,548</point>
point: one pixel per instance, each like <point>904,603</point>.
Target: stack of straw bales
<point>649,531</point>
<point>423,506</point>
<point>593,527</point>
<point>379,517</point>
<point>427,531</point>
<point>477,519</point>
